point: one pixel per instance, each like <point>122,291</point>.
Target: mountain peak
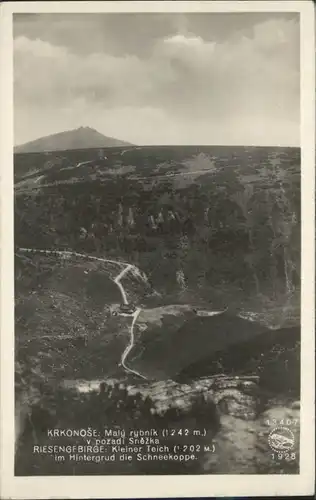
<point>83,137</point>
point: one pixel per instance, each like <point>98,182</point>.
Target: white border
<point>157,486</point>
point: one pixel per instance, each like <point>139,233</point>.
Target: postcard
<point>157,237</point>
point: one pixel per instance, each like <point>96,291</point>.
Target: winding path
<point>75,254</point>
<point>84,163</point>
<point>117,281</point>
<point>130,346</point>
<point>119,284</point>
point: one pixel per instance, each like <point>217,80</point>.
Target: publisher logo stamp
<point>281,439</point>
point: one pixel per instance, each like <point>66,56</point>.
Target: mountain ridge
<point>79,138</point>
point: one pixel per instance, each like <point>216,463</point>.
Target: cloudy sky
<point>159,78</point>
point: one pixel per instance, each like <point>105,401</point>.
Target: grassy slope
<point>58,298</point>
<point>62,311</point>
<point>208,241</point>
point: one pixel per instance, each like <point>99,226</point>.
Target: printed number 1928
<point>283,456</point>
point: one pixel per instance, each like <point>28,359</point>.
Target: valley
<point>150,274</point>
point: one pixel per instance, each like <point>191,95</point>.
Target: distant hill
<point>80,138</point>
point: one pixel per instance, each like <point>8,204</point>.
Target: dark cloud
<point>120,34</point>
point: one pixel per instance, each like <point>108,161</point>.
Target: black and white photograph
<point>157,170</point>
